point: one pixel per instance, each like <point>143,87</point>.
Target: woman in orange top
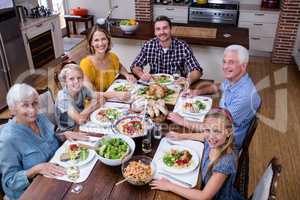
<point>102,66</point>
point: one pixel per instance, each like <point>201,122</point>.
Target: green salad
<point>170,158</point>
<point>120,88</point>
<point>142,90</point>
<point>200,105</point>
<point>112,114</point>
<point>162,79</point>
<point>112,148</point>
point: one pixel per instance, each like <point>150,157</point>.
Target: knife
<point>175,179</point>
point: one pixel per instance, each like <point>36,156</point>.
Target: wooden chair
<point>242,178</point>
<point>47,103</point>
<point>267,185</point>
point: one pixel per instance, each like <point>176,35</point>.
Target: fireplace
<point>42,49</point>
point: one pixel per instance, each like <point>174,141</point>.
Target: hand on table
<point>131,78</point>
<point>190,93</point>
<point>146,77</point>
<point>123,96</point>
<point>176,118</point>
<point>174,135</point>
<point>71,135</point>
<point>161,184</point>
<point>50,169</point>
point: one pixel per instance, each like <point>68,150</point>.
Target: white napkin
<point>85,170</point>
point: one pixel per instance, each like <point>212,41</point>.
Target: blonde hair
<point>19,92</point>
<point>66,70</point>
<point>224,115</point>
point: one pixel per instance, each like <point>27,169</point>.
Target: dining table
<point>101,183</point>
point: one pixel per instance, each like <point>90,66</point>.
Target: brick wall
<point>289,20</point>
<point>143,10</point>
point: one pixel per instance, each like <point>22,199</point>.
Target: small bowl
<point>146,160</point>
<point>116,162</point>
<point>100,21</point>
<point>129,29</point>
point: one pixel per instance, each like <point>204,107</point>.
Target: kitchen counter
<point>31,22</point>
<point>145,31</point>
<point>254,7</point>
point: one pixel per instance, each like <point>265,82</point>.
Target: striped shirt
<point>178,58</point>
<point>242,101</point>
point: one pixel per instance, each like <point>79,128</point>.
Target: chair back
<point>267,185</point>
<point>47,105</point>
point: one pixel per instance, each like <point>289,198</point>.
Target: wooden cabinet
<point>177,14</point>
<point>262,26</point>
<point>296,52</point>
<point>32,32</point>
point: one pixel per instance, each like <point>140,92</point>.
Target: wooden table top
<point>101,182</point>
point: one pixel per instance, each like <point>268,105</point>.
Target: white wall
<point>99,8</point>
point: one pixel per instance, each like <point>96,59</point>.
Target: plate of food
<point>156,91</point>
<point>138,170</point>
<point>196,105</point>
<point>114,149</point>
<point>71,154</point>
<point>132,126</point>
<point>179,159</point>
<point>106,116</point>
<point>163,79</point>
<point>123,87</point>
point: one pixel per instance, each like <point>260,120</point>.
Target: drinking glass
<point>157,132</point>
<point>146,145</point>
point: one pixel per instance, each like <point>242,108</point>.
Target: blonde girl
<point>218,166</point>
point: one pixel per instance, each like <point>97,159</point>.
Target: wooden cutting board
<point>194,32</point>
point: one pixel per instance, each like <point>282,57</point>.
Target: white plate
<point>205,100</point>
<point>168,75</point>
<point>131,88</point>
<point>173,170</point>
<point>94,119</point>
<point>71,163</point>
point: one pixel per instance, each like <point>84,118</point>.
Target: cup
<point>73,173</point>
<point>146,145</point>
<point>157,132</point>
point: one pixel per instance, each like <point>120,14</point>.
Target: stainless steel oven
<point>215,12</point>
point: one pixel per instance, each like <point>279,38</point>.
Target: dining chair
<point>267,185</point>
<point>47,105</point>
<point>242,178</point>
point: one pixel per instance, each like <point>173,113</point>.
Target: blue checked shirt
<point>242,101</point>
<point>178,58</point>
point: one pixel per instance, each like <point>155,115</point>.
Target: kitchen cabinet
<point>177,14</point>
<point>125,10</point>
<point>36,27</point>
<point>296,52</point>
<point>262,25</point>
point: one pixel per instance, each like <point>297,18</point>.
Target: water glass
<point>73,173</point>
<point>157,132</point>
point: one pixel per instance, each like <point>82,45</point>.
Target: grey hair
<point>19,92</point>
<point>67,69</point>
<point>242,52</point>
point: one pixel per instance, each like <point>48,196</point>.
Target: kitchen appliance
<point>273,4</point>
<point>218,12</point>
<point>13,60</point>
<point>22,13</point>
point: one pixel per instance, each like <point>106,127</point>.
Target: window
<point>58,6</point>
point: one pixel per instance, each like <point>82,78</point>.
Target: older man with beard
<point>239,96</point>
<point>166,54</point>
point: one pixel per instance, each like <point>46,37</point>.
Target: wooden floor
<point>268,141</point>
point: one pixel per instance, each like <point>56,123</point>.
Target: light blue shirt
<point>21,149</point>
<point>242,101</point>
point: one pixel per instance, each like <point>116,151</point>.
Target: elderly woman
<point>27,142</point>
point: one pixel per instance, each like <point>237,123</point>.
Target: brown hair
<point>96,28</point>
<point>163,18</point>
<point>223,114</point>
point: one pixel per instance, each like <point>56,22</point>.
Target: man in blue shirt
<point>239,96</point>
